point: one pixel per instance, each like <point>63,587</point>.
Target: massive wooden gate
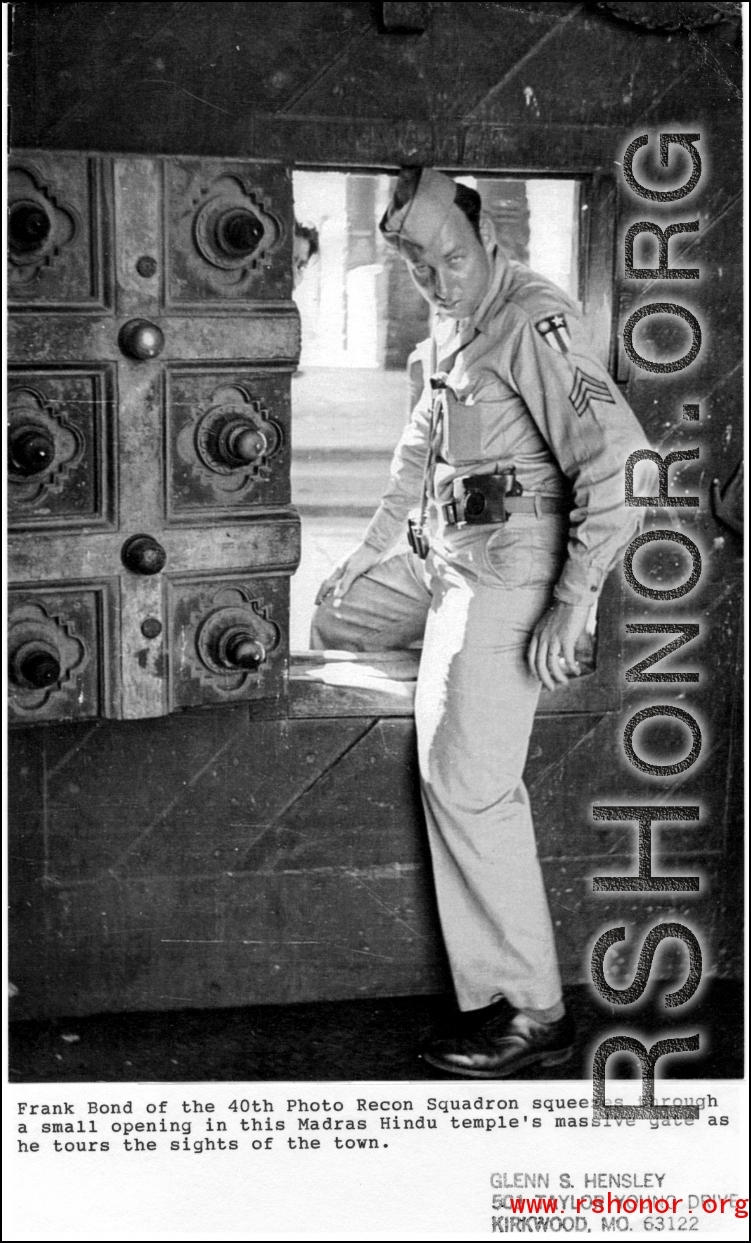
<point>262,841</point>
<point>151,344</point>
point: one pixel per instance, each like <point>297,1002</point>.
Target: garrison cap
<point>419,219</point>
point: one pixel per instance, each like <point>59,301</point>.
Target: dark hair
<point>469,201</point>
<point>466,199</point>
<point>309,234</point>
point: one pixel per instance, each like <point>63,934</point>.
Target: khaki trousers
<point>474,603</point>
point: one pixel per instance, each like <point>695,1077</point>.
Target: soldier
<point>515,453</point>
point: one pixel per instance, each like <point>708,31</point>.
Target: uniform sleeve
<point>405,486</point>
<point>591,431</point>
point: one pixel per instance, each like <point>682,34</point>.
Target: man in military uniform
<point>516,453</point>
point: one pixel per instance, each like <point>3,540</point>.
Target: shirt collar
<point>500,278</point>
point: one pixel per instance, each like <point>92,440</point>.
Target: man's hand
<point>341,579</point>
<point>551,649</point>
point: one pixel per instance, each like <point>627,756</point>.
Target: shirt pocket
<point>477,429</point>
<point>462,431</point>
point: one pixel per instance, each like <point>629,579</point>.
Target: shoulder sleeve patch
<point>554,331</point>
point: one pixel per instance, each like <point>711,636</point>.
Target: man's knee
<point>323,629</point>
<point>333,629</point>
<point>382,609</point>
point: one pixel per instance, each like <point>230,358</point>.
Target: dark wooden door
<point>151,343</point>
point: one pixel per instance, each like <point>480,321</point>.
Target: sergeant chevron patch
<point>554,332</point>
<point>588,388</point>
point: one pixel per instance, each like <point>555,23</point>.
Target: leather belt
<point>481,499</point>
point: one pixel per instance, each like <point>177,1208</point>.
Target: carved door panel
<point>151,343</point>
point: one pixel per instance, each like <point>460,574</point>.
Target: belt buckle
<point>450,512</point>
<point>512,488</point>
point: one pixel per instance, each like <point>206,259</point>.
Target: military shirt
<point>524,389</point>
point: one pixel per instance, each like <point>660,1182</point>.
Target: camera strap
<point>435,428</point>
<point>438,385</point>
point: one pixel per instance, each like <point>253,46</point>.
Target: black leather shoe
<point>505,1042</point>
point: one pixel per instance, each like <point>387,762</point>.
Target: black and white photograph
<point>374,619</point>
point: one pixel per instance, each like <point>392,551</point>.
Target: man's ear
<point>487,231</point>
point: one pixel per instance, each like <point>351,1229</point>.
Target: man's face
<point>300,259</point>
<point>453,272</point>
